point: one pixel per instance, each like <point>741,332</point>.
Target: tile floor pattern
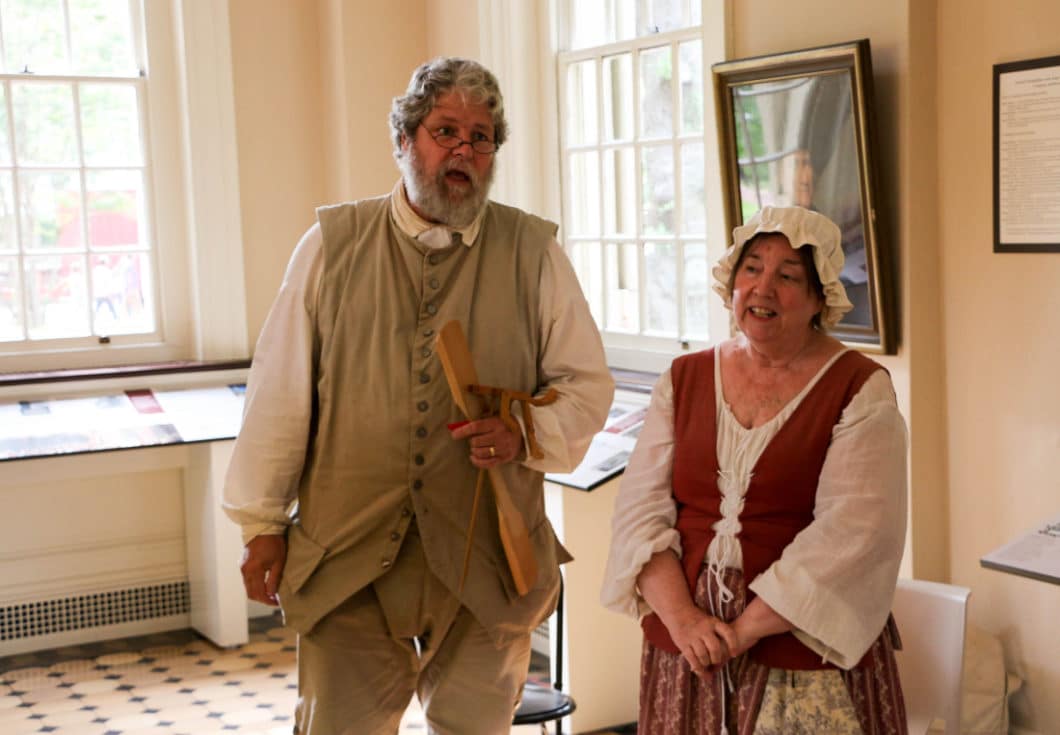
<point>173,683</point>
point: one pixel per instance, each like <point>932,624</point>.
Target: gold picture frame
<point>797,128</point>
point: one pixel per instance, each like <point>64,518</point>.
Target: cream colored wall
<point>367,53</point>
<point>452,28</point>
<point>313,83</point>
<point>1002,341</point>
<point>276,74</point>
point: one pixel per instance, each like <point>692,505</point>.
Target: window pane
<point>51,209</point>
<point>585,194</point>
<point>622,287</point>
<point>56,289</point>
<point>620,194</point>
<point>8,239</point>
<point>697,13</point>
<point>656,98</point>
<point>691,60</point>
<point>34,35</point>
<point>115,209</point>
<point>663,15</point>
<point>697,291</point>
<point>660,271</point>
<point>693,196</point>
<point>110,125</point>
<point>5,141</point>
<point>10,301</point>
<point>618,97</point>
<point>44,124</point>
<point>588,265</point>
<point>657,190</point>
<point>581,103</point>
<point>586,26</point>
<point>101,37</point>
<point>623,24</point>
<point>119,282</point>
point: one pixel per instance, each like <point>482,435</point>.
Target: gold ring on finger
<point>493,451</point>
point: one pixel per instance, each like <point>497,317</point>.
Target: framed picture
<point>797,128</point>
<point>1026,160</point>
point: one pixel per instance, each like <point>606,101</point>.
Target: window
<point>637,140</point>
<point>76,251</point>
<point>116,126</point>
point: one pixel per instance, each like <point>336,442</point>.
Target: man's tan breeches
<point>404,635</point>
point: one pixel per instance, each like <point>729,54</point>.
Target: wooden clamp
<point>518,549</point>
<point>507,396</point>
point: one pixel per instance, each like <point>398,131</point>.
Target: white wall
<point>1002,343</point>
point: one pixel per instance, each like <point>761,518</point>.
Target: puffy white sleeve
<point>573,362</point>
<point>645,511</point>
<point>835,581</point>
<point>262,478</point>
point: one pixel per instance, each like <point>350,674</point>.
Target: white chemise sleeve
<point>835,581</point>
<point>267,462</point>
<point>572,361</point>
<point>645,512</point>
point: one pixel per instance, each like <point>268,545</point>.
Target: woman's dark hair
<point>813,278</point>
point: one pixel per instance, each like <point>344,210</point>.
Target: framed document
<point>1027,156</point>
<point>797,128</point>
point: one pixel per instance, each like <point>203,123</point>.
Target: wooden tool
<point>460,373</point>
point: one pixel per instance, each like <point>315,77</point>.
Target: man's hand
<point>492,443</point>
<point>706,642</point>
<point>262,567</point>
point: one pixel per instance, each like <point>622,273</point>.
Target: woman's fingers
<point>709,646</point>
<point>726,633</point>
<point>696,658</point>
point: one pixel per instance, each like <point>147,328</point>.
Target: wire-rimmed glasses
<point>451,142</point>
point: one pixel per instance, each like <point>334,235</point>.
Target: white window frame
<point>520,43</point>
<point>644,351</point>
<point>192,186</point>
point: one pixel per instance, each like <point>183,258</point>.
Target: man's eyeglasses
<point>480,144</point>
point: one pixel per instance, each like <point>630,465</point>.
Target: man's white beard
<point>435,199</point>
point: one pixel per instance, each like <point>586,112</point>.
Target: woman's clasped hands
<point>706,642</point>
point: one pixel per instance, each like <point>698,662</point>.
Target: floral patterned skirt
<point>752,699</point>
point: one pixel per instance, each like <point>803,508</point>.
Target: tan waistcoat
<point>380,456</point>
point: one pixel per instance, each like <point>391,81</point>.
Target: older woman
<point>760,523</point>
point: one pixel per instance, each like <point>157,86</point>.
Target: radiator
<point>93,610</point>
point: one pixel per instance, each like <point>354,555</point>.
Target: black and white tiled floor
<point>173,683</point>
<point>166,684</point>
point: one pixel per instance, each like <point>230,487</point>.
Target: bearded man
<point>347,409</point>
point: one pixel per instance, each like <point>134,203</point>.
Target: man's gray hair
<point>434,79</point>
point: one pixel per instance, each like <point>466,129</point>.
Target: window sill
<point>8,380</point>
